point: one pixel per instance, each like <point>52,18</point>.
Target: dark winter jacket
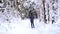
<point>31,15</point>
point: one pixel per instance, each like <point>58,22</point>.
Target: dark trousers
<point>32,23</point>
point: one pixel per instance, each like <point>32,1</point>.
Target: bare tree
<point>44,11</point>
<point>54,7</point>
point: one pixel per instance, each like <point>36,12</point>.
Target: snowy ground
<point>18,26</point>
<point>23,27</point>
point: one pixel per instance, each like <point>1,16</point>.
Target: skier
<point>31,16</point>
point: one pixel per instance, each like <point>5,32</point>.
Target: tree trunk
<point>44,11</point>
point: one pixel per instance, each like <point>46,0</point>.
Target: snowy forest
<point>29,16</point>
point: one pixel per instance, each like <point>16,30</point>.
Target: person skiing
<point>31,16</point>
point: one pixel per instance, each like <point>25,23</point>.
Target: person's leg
<point>32,23</point>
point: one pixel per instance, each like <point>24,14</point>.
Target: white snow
<point>24,27</point>
<point>16,25</point>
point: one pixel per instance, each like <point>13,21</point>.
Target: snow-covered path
<point>23,27</point>
<point>18,26</point>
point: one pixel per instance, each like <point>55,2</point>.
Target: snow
<point>24,27</point>
<point>17,28</point>
<point>16,25</point>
